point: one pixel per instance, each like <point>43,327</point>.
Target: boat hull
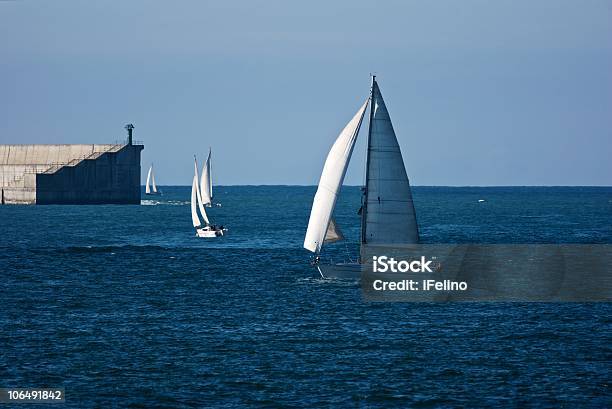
<point>209,233</point>
<point>347,271</point>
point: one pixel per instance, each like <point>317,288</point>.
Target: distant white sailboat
<point>387,212</point>
<point>207,230</point>
<point>206,181</point>
<point>151,187</point>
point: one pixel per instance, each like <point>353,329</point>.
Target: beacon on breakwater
<point>71,174</point>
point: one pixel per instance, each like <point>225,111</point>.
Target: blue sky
<point>480,92</point>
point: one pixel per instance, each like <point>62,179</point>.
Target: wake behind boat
<point>387,212</point>
<point>207,230</point>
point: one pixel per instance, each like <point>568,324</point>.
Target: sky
<point>479,92</point>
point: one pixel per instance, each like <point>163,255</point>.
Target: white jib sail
<point>331,182</point>
<point>153,185</point>
<point>194,211</point>
<point>206,182</point>
<point>199,195</point>
<point>148,185</point>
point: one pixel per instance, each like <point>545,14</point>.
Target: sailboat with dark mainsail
<point>388,218</point>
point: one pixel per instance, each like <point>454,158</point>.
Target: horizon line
<point>455,186</point>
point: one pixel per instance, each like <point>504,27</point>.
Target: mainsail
<point>206,181</point>
<point>198,196</point>
<point>389,216</point>
<point>331,181</point>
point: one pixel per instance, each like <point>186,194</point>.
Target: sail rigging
<point>196,188</point>
<point>150,185</point>
<point>331,182</point>
<point>207,230</point>
<point>206,181</point>
<point>387,210</point>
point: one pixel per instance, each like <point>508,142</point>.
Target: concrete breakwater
<point>70,174</point>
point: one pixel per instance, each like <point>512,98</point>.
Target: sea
<point>122,306</point>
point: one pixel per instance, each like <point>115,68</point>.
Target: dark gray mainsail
<point>388,216</point>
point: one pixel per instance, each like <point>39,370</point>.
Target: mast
<point>364,197</point>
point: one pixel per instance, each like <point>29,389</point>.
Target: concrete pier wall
<point>70,174</point>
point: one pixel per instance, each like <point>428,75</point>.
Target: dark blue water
<point>123,306</point>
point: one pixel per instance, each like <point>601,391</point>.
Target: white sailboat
<point>151,187</point>
<point>206,181</point>
<point>206,230</point>
<point>388,217</point>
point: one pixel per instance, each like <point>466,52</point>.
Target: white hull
<point>209,233</point>
<point>350,271</point>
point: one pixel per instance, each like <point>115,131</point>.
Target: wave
<point>142,248</point>
<point>112,249</point>
<point>151,202</point>
<point>541,216</point>
<point>326,281</point>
